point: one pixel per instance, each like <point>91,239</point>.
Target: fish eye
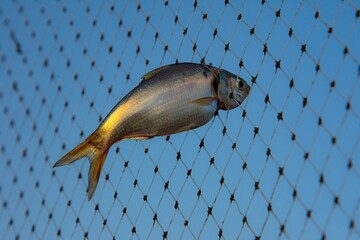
<point>240,84</point>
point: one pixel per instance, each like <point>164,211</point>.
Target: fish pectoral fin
<point>206,101</point>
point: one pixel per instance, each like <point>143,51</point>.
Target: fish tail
<point>93,148</point>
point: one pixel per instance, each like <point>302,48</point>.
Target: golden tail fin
<point>96,150</point>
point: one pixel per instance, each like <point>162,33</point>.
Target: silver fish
<point>168,100</point>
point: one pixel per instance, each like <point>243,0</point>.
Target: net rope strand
<point>14,174</point>
<point>224,44</point>
<point>98,113</point>
<point>309,90</point>
<point>72,210</point>
<point>103,217</point>
<point>9,223</point>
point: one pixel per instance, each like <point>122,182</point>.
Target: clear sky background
<point>285,164</point>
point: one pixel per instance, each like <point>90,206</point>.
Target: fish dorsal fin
<point>154,72</point>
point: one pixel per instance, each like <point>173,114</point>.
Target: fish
<point>168,100</point>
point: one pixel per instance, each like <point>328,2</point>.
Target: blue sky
<point>285,164</point>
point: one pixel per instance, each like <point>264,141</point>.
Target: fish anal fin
<point>206,101</point>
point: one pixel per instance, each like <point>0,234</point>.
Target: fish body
<point>168,100</point>
<point>162,105</point>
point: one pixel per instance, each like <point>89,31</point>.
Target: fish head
<point>231,90</point>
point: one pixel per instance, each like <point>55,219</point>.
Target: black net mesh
<point>285,164</point>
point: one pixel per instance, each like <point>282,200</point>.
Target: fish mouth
<point>238,102</point>
<point>246,91</point>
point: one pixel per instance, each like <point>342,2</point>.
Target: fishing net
<point>283,165</point>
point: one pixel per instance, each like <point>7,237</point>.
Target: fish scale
<point>170,99</point>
